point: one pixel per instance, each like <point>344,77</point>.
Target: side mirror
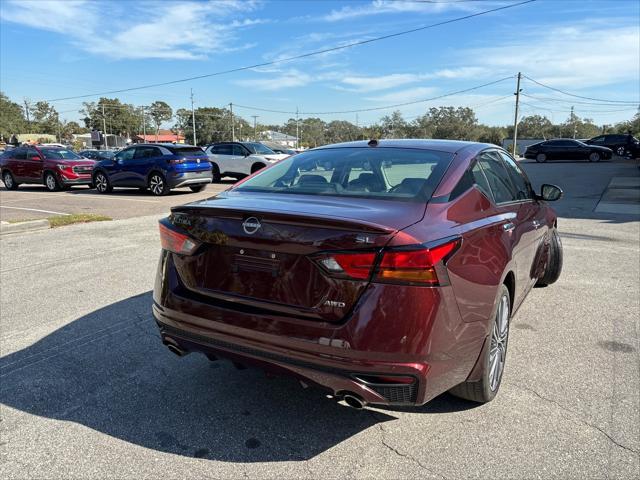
<point>550,193</point>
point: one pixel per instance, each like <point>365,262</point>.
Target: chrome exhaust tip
<point>173,347</point>
<point>354,401</point>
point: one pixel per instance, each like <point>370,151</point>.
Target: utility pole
<point>357,127</point>
<point>27,111</point>
<point>515,120</point>
<point>297,131</point>
<point>104,127</point>
<point>233,127</point>
<point>573,121</point>
<point>255,135</point>
<point>193,119</point>
<point>144,123</point>
<point>59,127</point>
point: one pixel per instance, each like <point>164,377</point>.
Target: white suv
<point>239,159</point>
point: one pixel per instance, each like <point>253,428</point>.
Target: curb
<point>20,227</point>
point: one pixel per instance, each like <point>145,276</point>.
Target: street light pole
<point>193,119</point>
<point>104,127</point>
<point>255,136</point>
<point>233,128</point>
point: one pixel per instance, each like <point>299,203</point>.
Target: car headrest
<point>312,180</point>
<point>411,185</point>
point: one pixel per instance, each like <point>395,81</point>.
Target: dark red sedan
<point>385,271</point>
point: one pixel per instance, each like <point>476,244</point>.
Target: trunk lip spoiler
<point>291,218</point>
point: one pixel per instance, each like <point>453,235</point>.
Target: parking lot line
<point>35,210</point>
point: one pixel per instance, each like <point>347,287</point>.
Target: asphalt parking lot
<point>31,202</point>
<point>88,391</point>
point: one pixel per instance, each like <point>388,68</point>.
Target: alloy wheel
<point>8,180</point>
<point>51,182</point>
<point>620,151</point>
<point>156,185</point>
<point>499,338</point>
<point>101,183</point>
<point>594,157</point>
<point>541,157</point>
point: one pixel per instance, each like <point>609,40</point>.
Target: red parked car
<point>386,272</point>
<point>57,168</point>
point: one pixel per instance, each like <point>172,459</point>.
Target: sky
<point>65,48</point>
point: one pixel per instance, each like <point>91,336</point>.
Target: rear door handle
<point>507,227</point>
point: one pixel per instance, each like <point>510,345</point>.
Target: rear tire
<point>493,358</point>
<point>594,157</point>
<point>215,172</point>
<point>158,185</point>
<point>102,183</point>
<point>257,166</point>
<point>51,182</point>
<point>554,262</point>
<point>197,188</point>
<point>9,182</point>
<point>541,158</point>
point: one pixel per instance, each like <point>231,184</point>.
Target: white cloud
<point>360,83</point>
<point>282,79</point>
<point>161,29</point>
<point>402,96</point>
<point>380,7</point>
<point>581,56</point>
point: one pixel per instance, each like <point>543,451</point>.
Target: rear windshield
<point>188,151</point>
<point>382,173</point>
<point>59,154</point>
<point>258,148</point>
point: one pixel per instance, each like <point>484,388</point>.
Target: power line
<point>371,109</point>
<point>300,56</point>
<point>571,102</point>
<point>579,96</point>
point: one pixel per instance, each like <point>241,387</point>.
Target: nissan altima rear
<point>314,268</point>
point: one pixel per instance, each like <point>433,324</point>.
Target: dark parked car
<point>56,168</point>
<point>622,145</point>
<point>97,154</point>
<point>389,278</point>
<point>158,167</point>
<point>567,149</point>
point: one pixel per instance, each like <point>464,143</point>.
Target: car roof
<point>450,146</point>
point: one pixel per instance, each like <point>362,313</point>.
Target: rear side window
<point>20,154</point>
<point>221,150</point>
<point>377,173</point>
<point>238,150</point>
<point>497,177</point>
<point>147,152</point>
<point>520,182</point>
<point>481,180</point>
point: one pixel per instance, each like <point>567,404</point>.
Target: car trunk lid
<point>258,249</point>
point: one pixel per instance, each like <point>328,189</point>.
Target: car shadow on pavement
<point>109,371</point>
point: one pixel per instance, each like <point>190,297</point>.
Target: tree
<point>342,131</point>
<point>535,126</point>
<point>12,119</point>
<point>632,126</point>
<point>449,123</point>
<point>45,118</point>
<point>212,124</point>
<point>69,129</point>
<point>395,126</point>
<point>119,118</point>
<point>160,112</point>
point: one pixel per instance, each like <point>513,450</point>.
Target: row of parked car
<point>157,168</point>
<point>595,149</point>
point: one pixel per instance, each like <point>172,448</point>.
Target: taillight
<point>352,265</point>
<point>177,160</point>
<point>415,265</point>
<point>176,242</point>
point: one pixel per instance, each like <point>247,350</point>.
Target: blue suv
<point>157,167</point>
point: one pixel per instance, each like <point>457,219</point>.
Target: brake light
<point>414,266</point>
<point>353,265</point>
<point>176,242</point>
<point>420,265</point>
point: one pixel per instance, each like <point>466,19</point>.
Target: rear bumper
<point>424,338</point>
<point>183,179</point>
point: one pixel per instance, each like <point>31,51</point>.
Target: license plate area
<point>252,263</point>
